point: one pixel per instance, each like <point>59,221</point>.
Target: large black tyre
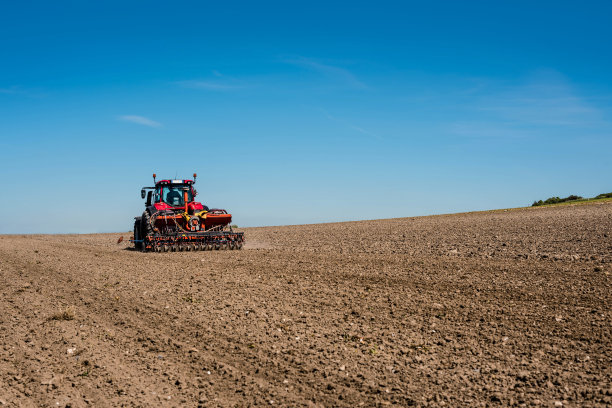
<point>138,234</point>
<point>146,228</point>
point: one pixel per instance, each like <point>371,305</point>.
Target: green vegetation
<point>571,198</point>
<point>556,200</point>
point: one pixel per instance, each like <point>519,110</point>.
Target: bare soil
<point>506,308</point>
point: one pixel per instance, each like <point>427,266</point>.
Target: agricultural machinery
<point>173,221</point>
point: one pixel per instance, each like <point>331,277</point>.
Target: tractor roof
<point>162,182</point>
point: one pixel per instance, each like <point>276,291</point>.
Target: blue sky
<point>300,112</point>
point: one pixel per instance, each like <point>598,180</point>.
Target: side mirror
<point>142,193</point>
<point>149,195</point>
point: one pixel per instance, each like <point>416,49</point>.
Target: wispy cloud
<point>490,129</point>
<point>350,125</point>
<point>546,98</point>
<point>543,101</point>
<point>332,72</point>
<point>365,132</point>
<point>10,91</point>
<point>209,85</point>
<point>219,83</point>
<point>17,90</point>
<point>141,120</point>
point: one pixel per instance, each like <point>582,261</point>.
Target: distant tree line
<point>557,200</point>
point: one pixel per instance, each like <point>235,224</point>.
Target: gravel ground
<point>501,308</point>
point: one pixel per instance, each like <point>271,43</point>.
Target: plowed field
<point>504,308</point>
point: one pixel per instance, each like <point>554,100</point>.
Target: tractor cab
<point>175,194</point>
<point>172,195</point>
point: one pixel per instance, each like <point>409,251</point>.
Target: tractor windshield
<point>174,194</point>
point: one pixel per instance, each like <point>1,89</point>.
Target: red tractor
<point>173,221</point>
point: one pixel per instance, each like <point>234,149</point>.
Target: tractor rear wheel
<point>137,234</point>
<point>146,229</point>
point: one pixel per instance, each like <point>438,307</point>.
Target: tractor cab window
<point>173,195</point>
